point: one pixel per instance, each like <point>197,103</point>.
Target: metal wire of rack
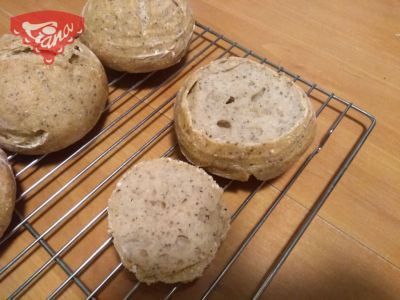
<point>209,42</point>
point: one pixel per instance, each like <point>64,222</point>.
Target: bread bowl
<point>237,118</point>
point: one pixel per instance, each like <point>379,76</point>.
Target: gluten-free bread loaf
<point>45,108</point>
<point>7,193</point>
<point>237,118</point>
<point>167,219</point>
<point>138,35</point>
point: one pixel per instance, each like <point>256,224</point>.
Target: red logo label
<point>47,32</point>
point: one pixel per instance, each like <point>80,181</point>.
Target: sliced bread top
<point>167,219</point>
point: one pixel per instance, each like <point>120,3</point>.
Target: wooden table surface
<point>352,248</point>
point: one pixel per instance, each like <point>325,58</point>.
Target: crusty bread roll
<point>45,108</point>
<point>7,193</point>
<point>238,118</point>
<point>138,35</point>
<point>168,220</point>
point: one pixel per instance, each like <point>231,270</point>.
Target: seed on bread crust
<point>167,219</point>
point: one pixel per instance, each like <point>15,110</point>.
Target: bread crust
<point>236,161</point>
<point>138,36</point>
<point>167,219</point>
<point>7,193</point>
<point>45,108</point>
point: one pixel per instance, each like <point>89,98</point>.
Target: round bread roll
<point>168,220</point>
<point>138,35</point>
<point>7,193</point>
<point>237,118</point>
<point>45,108</point>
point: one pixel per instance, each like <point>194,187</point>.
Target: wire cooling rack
<point>59,229</point>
